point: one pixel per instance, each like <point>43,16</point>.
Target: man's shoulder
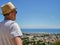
<point>7,22</point>
<point>13,23</point>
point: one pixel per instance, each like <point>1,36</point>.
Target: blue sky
<point>36,13</point>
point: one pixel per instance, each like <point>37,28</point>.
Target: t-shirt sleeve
<point>15,30</point>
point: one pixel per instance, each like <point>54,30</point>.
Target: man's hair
<point>6,14</point>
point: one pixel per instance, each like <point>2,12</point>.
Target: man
<point>10,33</point>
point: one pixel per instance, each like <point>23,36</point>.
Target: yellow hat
<point>8,7</point>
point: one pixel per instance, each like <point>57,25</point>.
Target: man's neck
<point>6,19</point>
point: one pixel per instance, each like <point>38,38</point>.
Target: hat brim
<point>2,13</point>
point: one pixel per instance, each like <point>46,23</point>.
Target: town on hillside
<point>40,39</point>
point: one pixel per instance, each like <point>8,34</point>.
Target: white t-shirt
<point>8,30</point>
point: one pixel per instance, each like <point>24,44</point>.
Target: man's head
<point>9,11</point>
<point>11,15</point>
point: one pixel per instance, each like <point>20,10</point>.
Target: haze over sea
<point>41,30</point>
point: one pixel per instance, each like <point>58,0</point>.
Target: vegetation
<point>57,42</point>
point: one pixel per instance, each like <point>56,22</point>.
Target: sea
<point>57,31</point>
